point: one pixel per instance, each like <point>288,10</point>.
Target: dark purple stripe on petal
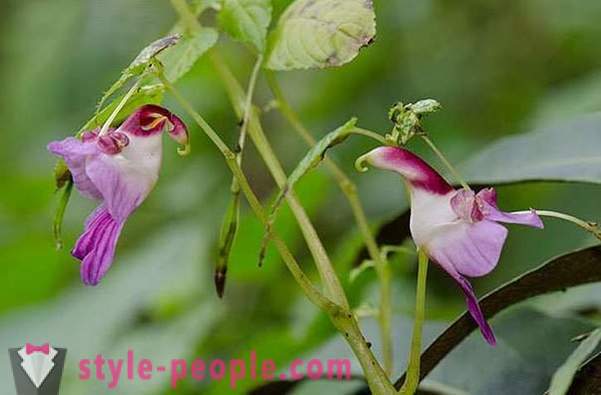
<point>415,170</point>
<point>96,246</point>
<point>93,231</point>
<point>475,311</point>
<point>99,260</point>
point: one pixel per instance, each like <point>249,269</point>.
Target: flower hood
<point>118,168</point>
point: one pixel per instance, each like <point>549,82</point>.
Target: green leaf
<point>246,20</point>
<point>566,151</point>
<point>139,64</point>
<point>179,59</point>
<point>317,153</point>
<point>531,346</point>
<point>569,270</point>
<point>565,374</point>
<point>320,33</point>
<point>311,160</point>
<point>587,379</point>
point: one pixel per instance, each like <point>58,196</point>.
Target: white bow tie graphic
<point>36,363</point>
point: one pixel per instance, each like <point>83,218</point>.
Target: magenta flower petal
<point>96,246</point>
<point>92,226</point>
<point>475,311</point>
<point>120,169</point>
<point>416,171</point>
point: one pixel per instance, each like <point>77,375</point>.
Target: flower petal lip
<point>119,169</point>
<point>487,198</point>
<point>415,170</point>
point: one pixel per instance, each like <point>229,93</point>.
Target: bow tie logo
<point>30,348</point>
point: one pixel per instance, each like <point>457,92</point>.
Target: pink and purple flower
<point>119,168</point>
<point>458,229</point>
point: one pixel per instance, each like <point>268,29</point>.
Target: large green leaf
<point>179,59</point>
<point>531,346</point>
<point>567,151</point>
<point>320,33</point>
<point>246,20</point>
<point>576,268</point>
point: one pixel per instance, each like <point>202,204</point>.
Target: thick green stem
<point>230,157</point>
<point>412,377</point>
<point>350,191</point>
<point>340,315</point>
<point>333,288</point>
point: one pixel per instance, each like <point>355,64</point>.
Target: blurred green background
<point>498,69</point>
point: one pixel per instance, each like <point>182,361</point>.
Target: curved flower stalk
<point>457,229</point>
<point>119,168</point>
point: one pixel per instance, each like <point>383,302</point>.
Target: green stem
<point>333,288</point>
<point>350,191</point>
<point>187,16</point>
<point>591,227</point>
<point>248,103</point>
<point>341,316</point>
<point>377,379</point>
<point>412,377</point>
<point>339,313</point>
<point>372,135</point>
<point>229,228</point>
<point>105,128</point>
<point>446,162</point>
<point>230,157</point>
